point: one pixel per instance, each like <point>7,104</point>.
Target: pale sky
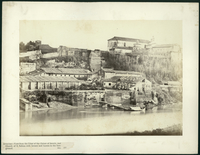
<point>94,34</point>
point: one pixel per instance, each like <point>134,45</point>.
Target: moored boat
<point>137,109</point>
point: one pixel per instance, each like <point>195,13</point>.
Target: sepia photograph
<point>100,77</point>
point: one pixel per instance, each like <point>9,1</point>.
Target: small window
<point>109,84</point>
<point>29,85</point>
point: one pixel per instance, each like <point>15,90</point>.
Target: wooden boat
<point>117,106</point>
<point>136,108</point>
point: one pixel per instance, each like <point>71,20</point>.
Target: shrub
<point>32,98</point>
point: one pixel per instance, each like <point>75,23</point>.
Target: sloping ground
<point>171,130</point>
<point>60,105</point>
<point>169,97</point>
<point>54,105</point>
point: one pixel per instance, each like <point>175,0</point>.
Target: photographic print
<point>100,77</point>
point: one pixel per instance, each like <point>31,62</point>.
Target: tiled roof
<point>127,72</point>
<point>129,39</point>
<point>110,70</point>
<point>127,79</point>
<point>74,71</point>
<point>130,79</point>
<point>47,79</point>
<point>66,71</point>
<point>113,79</point>
<point>51,70</point>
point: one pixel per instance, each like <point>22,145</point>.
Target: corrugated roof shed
<point>47,79</point>
<point>129,39</point>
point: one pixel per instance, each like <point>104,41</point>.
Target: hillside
<point>157,70</point>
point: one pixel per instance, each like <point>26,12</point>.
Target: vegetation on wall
<point>155,69</point>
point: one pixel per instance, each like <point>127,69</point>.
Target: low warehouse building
<point>128,83</point>
<point>47,82</point>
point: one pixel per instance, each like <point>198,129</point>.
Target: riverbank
<point>52,105</point>
<point>171,130</point>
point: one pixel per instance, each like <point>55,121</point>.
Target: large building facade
<point>169,51</point>
<point>123,45</point>
<point>135,48</point>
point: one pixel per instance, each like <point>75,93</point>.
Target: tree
<point>140,60</point>
<point>31,45</point>
<point>22,47</point>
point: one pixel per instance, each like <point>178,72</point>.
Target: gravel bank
<point>171,130</point>
<point>54,105</point>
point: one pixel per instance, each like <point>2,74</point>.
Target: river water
<point>96,121</point>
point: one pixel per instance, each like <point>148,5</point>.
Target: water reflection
<point>82,113</point>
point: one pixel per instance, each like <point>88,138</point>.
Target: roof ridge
<point>125,38</point>
<point>47,78</point>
